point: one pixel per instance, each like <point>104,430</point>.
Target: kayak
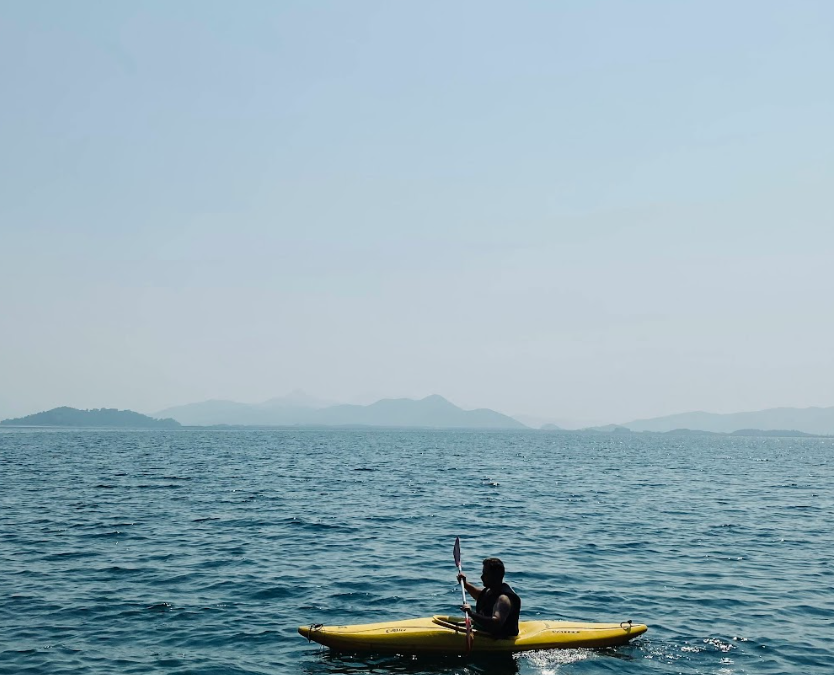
<point>447,635</point>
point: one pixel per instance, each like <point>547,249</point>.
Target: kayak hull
<point>446,635</point>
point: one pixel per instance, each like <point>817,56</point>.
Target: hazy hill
<point>776,433</point>
<point>294,408</point>
<point>773,433</point>
<point>432,411</point>
<point>608,428</point>
<point>100,417</point>
<point>808,420</point>
<point>297,399</point>
<point>551,423</point>
<point>213,412</point>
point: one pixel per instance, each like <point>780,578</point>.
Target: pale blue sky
<point>578,210</point>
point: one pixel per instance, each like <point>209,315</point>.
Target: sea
<point>202,551</point>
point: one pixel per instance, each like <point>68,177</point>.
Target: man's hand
<point>474,591</point>
<point>467,609</point>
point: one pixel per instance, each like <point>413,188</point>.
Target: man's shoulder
<point>508,592</point>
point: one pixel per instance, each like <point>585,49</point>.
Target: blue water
<point>195,551</point>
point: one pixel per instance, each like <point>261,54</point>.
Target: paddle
<point>463,596</point>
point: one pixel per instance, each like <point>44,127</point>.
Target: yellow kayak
<point>447,635</point>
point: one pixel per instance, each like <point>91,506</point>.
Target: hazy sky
<point>578,210</point>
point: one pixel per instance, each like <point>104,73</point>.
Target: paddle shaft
<point>462,590</point>
<point>463,595</point>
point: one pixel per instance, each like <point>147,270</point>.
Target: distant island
<point>767,433</point>
<point>97,417</point>
<point>817,421</point>
<point>299,409</point>
<point>431,412</point>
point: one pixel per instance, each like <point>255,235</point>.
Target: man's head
<point>493,573</point>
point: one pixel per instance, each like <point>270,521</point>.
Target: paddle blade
<point>457,551</point>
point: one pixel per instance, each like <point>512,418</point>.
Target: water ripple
<point>196,551</point>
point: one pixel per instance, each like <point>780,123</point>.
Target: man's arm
<point>474,591</point>
<point>500,612</point>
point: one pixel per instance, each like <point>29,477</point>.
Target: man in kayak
<point>497,607</point>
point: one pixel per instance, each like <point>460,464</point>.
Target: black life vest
<point>486,604</point>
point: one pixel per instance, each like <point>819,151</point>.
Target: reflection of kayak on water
<point>447,635</point>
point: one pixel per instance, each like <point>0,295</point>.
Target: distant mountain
<point>294,408</point>
<point>774,433</point>
<point>608,428</point>
<point>808,420</point>
<point>430,412</point>
<point>532,421</point>
<point>550,427</point>
<point>562,423</point>
<point>97,417</point>
<point>212,412</point>
<point>687,432</point>
<point>297,399</point>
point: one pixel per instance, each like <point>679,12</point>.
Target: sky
<point>578,210</point>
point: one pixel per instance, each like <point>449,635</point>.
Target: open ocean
<point>202,551</point>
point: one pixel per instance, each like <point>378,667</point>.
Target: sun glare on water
<point>549,660</point>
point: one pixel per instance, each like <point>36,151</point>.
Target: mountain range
<point>299,408</point>
<point>808,420</point>
<point>294,408</point>
<point>430,412</point>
